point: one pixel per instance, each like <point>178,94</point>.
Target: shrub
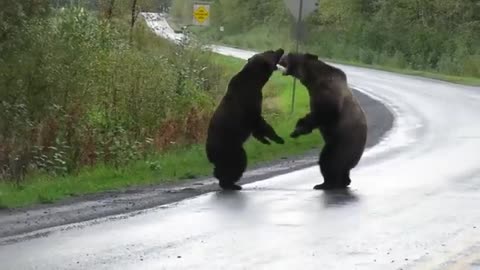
<point>75,92</point>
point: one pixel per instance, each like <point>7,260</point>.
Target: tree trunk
<point>110,9</point>
<point>134,13</point>
<point>134,18</point>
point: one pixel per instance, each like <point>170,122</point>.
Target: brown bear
<point>335,112</point>
<point>238,116</point>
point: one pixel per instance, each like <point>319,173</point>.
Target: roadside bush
<point>75,92</point>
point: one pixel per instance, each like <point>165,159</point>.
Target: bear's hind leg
<point>230,170</point>
<point>346,181</point>
<point>326,169</point>
<point>330,179</point>
<point>330,167</point>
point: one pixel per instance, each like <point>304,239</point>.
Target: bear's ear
<point>311,56</point>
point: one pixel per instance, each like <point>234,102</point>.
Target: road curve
<point>413,204</point>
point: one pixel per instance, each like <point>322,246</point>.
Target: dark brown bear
<point>335,112</point>
<point>238,116</point>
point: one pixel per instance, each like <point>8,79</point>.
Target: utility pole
<point>300,9</point>
<point>299,20</point>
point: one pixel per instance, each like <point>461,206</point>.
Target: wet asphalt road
<point>413,204</point>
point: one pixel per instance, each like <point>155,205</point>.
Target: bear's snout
<point>283,63</point>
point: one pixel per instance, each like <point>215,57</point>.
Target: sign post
<point>201,13</point>
<point>300,9</point>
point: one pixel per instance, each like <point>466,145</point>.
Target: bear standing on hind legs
<point>238,116</point>
<point>335,112</point>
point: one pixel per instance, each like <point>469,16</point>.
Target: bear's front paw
<point>300,130</point>
<point>265,141</point>
<point>262,140</point>
<point>295,134</point>
<point>279,140</point>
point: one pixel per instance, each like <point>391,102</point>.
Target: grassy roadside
<point>175,165</point>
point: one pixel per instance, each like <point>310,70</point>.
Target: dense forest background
<point>434,35</point>
<point>86,82</point>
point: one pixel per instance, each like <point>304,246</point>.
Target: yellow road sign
<point>201,14</point>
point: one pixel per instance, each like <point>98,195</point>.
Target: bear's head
<point>296,64</point>
<point>266,62</point>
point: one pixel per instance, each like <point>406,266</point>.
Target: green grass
<point>175,165</point>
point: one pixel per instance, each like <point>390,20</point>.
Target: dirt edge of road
<point>15,222</point>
